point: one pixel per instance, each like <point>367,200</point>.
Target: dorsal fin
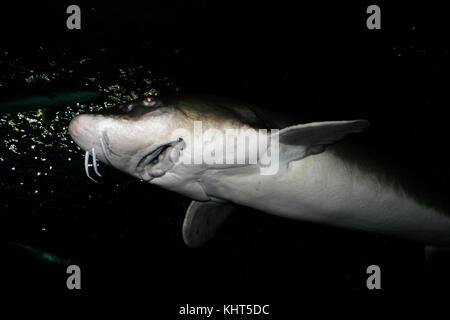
<point>299,141</point>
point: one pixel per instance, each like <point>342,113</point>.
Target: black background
<point>318,59</point>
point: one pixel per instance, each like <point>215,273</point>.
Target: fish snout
<point>78,125</point>
<point>83,130</point>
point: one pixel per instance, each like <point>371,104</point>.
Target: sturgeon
<point>312,182</point>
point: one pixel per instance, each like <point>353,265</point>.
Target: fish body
<point>297,170</point>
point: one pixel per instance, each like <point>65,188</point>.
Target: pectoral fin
<point>202,221</point>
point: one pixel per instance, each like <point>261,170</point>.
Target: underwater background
<point>316,59</point>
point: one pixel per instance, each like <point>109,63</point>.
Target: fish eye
<point>149,102</point>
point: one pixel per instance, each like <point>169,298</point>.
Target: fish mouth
<point>155,162</point>
<point>159,159</point>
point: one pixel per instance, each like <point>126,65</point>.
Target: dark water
<point>126,235</point>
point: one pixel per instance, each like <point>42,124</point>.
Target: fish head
<point>148,138</point>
